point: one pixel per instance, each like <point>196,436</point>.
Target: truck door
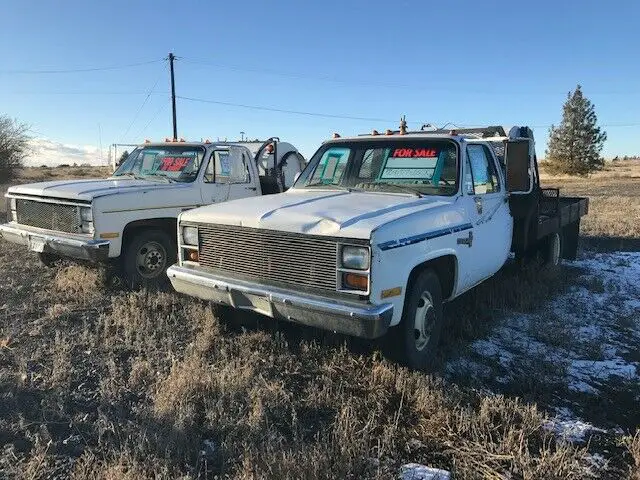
<point>215,182</point>
<point>488,211</point>
<point>241,182</point>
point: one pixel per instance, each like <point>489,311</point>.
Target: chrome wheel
<point>151,259</point>
<point>424,321</point>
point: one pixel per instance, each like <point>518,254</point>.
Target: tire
<point>147,256</point>
<point>414,341</point>
<point>551,251</point>
<point>48,259</point>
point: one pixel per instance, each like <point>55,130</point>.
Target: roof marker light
<point>336,135</point>
<point>375,132</point>
<point>388,132</point>
<point>403,125</point>
<point>207,141</point>
<point>146,140</point>
<point>167,139</point>
<point>181,139</point>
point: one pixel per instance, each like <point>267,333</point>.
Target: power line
<point>280,110</point>
<point>155,115</point>
<point>135,117</point>
<point>85,93</point>
<point>78,70</point>
<point>332,79</point>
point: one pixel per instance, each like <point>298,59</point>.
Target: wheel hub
<point>424,321</point>
<point>151,259</point>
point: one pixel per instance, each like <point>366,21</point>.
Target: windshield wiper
<point>130,175</point>
<point>156,175</point>
<point>329,185</point>
<point>400,188</point>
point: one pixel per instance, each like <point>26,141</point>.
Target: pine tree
<point>123,157</point>
<point>575,145</point>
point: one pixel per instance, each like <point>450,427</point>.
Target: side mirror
<point>517,159</point>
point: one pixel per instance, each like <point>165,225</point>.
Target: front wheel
<point>146,259</point>
<point>415,340</point>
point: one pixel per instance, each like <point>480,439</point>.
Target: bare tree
<point>14,146</point>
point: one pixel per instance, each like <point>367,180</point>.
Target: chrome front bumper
<point>358,319</point>
<point>69,245</point>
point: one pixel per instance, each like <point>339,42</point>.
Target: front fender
<point>391,269</point>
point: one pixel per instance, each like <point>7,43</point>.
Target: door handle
<point>251,188</point>
<point>468,241</point>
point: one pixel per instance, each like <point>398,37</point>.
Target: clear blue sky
<point>465,62</point>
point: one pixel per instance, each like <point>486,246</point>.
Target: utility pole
<point>173,96</point>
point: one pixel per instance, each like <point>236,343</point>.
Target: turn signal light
<point>356,281</point>
<point>191,255</point>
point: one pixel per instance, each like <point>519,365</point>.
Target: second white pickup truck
<point>378,232</point>
<point>130,218</point>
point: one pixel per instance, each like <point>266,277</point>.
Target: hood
<point>89,189</point>
<point>333,213</point>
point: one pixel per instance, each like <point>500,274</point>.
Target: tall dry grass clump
<point>79,283</point>
<point>633,447</point>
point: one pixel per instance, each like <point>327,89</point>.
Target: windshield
<point>168,163</point>
<point>421,167</point>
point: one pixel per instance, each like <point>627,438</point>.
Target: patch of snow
<point>577,341</point>
<point>583,371</point>
<point>415,471</point>
<point>571,430</point>
<point>597,461</point>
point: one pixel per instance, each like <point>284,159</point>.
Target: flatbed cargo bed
<point>557,212</point>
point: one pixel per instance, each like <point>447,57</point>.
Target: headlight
<point>356,258</point>
<point>190,235</point>
<point>86,214</point>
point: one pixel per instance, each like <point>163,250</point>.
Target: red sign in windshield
<point>173,164</point>
<point>414,153</point>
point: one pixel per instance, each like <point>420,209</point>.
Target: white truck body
<point>463,232</point>
<point>46,217</point>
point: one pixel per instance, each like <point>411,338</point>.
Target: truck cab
<point>376,233</point>
<point>130,217</point>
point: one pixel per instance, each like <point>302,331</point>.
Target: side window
<point>483,170</point>
<point>238,167</point>
<point>219,168</point>
<point>208,172</point>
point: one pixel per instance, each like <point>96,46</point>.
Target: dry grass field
<point>98,382</point>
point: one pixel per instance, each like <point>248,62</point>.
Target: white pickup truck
<point>131,216</point>
<point>379,231</point>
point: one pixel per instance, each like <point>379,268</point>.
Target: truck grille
<point>50,216</point>
<point>270,256</point>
